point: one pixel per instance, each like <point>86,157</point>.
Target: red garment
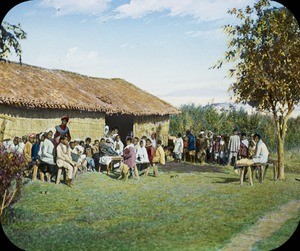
<point>185,143</point>
<point>129,156</point>
<point>61,130</point>
<point>150,152</point>
<point>243,152</point>
<point>63,127</point>
<point>217,146</point>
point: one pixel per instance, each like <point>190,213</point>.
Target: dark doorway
<point>123,122</point>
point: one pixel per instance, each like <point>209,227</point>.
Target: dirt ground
<point>264,228</point>
<point>186,167</point>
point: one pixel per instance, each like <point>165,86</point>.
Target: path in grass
<point>267,225</point>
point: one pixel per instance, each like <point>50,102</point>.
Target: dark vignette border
<point>9,4</point>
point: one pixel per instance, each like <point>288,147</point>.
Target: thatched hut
<point>33,99</point>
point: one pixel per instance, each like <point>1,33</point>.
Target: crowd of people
<point>49,153</point>
<point>219,149</point>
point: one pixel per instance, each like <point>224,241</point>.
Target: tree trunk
<point>280,155</point>
<point>281,126</point>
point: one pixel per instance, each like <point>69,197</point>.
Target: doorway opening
<point>124,123</point>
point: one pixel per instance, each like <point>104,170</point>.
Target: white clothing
<point>41,149</point>
<point>14,148</point>
<point>63,154</point>
<point>261,153</point>
<point>137,147</point>
<point>178,145</point>
<point>79,148</point>
<point>210,140</point>
<point>105,160</point>
<point>245,142</point>
<point>21,147</point>
<point>118,147</point>
<point>153,142</point>
<point>64,159</point>
<point>142,155</point>
<point>234,143</point>
<point>47,152</point>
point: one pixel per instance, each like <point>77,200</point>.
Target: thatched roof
<point>36,87</point>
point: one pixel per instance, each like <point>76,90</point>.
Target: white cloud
<point>204,10</point>
<point>87,62</point>
<point>92,7</point>
<point>76,59</point>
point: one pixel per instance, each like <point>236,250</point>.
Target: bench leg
<point>259,174</point>
<point>264,173</point>
<point>250,175</point>
<point>242,171</point>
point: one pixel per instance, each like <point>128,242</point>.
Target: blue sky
<point>164,47</point>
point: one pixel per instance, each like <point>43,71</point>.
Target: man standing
<point>233,147</point>
<point>191,148</point>
<point>202,146</point>
<point>62,129</point>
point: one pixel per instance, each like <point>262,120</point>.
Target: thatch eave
<point>36,87</point>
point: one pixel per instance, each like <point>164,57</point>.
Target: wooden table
<point>109,166</point>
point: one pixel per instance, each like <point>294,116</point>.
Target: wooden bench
<point>262,169</point>
<point>109,167</point>
<point>48,170</point>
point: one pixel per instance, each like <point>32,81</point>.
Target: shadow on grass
<point>113,175</point>
<point>227,180</point>
<point>185,167</point>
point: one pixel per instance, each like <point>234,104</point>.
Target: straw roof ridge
<point>32,86</point>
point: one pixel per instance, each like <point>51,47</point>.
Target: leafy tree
<point>264,51</point>
<point>9,39</point>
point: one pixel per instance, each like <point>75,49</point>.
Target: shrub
<point>12,167</point>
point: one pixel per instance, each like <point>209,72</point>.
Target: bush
<point>12,167</point>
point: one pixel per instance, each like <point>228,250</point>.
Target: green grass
<point>280,237</point>
<point>194,211</point>
<point>292,159</point>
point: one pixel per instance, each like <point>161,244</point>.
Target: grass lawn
<point>188,207</point>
